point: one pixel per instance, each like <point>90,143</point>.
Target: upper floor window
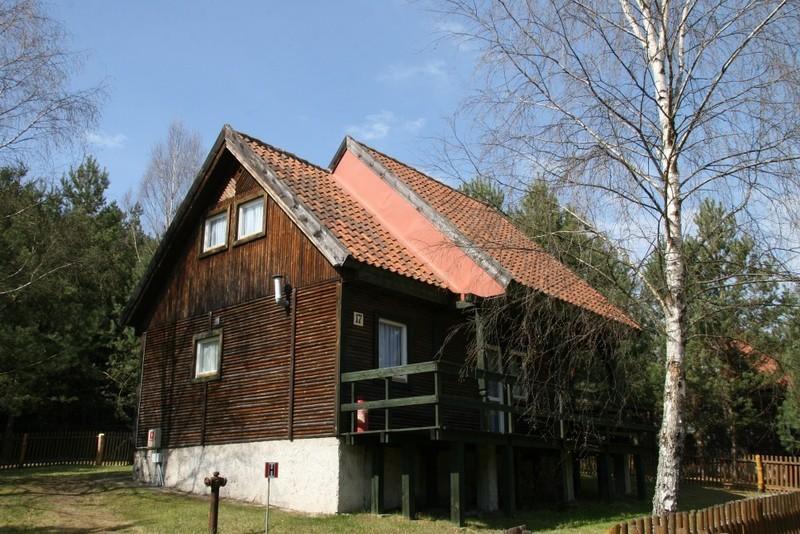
<point>215,231</point>
<point>207,350</point>
<point>250,218</point>
<point>392,345</point>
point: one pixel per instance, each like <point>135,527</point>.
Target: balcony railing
<point>440,395</point>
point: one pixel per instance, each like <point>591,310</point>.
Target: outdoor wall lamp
<point>282,290</point>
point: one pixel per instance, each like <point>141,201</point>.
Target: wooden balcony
<point>446,401</point>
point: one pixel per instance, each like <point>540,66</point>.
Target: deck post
<point>618,461</point>
<point>576,476</point>
<point>487,477</point>
<point>407,482</point>
<point>638,468</point>
<point>567,477</point>
<point>457,483</point>
<point>509,481</point>
<point>604,476</point>
<point>376,483</point>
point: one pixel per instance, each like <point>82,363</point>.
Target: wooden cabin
<point>298,314</point>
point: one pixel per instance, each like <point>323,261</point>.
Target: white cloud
<point>450,27</point>
<point>106,140</point>
<point>413,126</point>
<point>456,34</point>
<point>397,73</point>
<point>379,125</point>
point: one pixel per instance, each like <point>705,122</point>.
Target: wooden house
<point>297,314</point>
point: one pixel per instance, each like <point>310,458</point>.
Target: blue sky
<point>299,75</point>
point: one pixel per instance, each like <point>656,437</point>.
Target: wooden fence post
<point>23,450</point>
<point>101,445</point>
<point>760,473</point>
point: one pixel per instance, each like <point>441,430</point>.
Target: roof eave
<point>483,259</point>
<point>228,139</point>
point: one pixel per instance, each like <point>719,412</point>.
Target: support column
<point>376,483</point>
<point>618,461</point>
<point>576,476</point>
<point>407,482</point>
<point>457,489</point>
<point>487,478</point>
<point>567,477</point>
<point>626,473</point>
<point>638,468</point>
<point>509,481</point>
<point>604,487</point>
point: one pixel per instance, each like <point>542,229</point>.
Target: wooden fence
<point>67,448</point>
<point>762,515</point>
<point>761,472</point>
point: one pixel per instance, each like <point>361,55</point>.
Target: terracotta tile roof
<point>490,230</point>
<point>360,232</point>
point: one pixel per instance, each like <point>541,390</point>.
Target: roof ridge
<point>283,151</point>
<point>426,175</point>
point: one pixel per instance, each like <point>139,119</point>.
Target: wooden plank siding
<point>427,328</point>
<point>250,399</point>
<point>243,272</point>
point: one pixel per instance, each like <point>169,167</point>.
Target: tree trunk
<point>671,436</point>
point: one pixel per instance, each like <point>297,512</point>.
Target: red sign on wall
<point>270,469</point>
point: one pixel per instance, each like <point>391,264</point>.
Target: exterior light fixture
<point>281,290</point>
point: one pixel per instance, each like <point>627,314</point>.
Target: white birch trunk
<point>671,435</point>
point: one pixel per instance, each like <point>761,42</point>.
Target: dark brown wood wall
<point>250,399</point>
<point>242,272</point>
<point>428,327</point>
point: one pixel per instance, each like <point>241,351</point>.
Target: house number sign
<point>358,318</point>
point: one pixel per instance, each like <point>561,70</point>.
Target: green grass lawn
<point>87,499</point>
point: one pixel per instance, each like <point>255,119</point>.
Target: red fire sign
<point>270,469</point>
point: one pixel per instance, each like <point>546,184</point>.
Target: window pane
<point>207,356</point>
<point>251,218</point>
<point>216,230</point>
<point>391,344</point>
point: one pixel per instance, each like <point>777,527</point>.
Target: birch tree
<point>173,165</point>
<point>637,110</point>
<point>39,106</point>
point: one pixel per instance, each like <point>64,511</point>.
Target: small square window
<point>392,345</point>
<point>207,352</point>
<point>250,218</point>
<point>215,232</point>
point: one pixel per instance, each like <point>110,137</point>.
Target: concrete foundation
<point>320,475</point>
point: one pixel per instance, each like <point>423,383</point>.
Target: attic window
<point>215,232</point>
<point>250,219</point>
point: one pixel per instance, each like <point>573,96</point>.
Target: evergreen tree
<point>69,259</point>
<point>485,190</point>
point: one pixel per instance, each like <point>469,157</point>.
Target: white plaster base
<point>317,475</point>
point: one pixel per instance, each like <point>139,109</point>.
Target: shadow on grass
<point>67,530</point>
<point>594,514</point>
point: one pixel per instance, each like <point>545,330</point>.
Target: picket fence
<point>755,471</point>
<point>774,514</point>
<point>67,448</point>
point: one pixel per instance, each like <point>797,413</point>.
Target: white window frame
<point>199,341</point>
<point>497,419</point>
<point>403,347</point>
<point>221,215</point>
<point>242,205</point>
